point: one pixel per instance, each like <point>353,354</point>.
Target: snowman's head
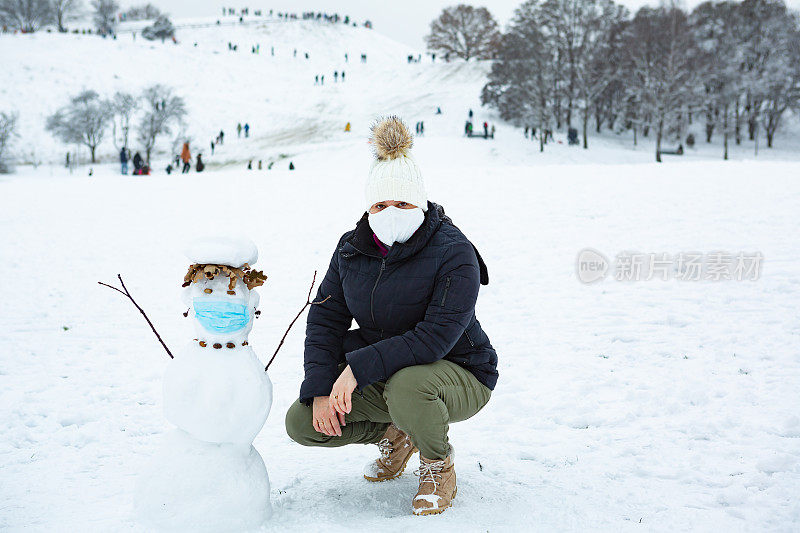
<point>219,290</point>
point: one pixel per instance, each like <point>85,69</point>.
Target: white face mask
<point>393,224</point>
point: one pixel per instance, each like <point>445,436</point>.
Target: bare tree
<point>717,61</point>
<point>520,83</point>
<point>26,15</point>
<point>123,106</point>
<point>465,32</point>
<point>105,15</point>
<point>661,76</point>
<point>162,29</point>
<point>163,111</point>
<point>83,121</point>
<point>603,22</point>
<point>8,130</point>
<point>142,12</point>
<point>779,85</point>
<point>65,10</point>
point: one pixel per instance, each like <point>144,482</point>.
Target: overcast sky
<point>406,21</point>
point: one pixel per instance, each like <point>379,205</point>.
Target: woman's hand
<point>341,395</point>
<point>325,419</point>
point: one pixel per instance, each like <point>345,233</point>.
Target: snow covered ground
<point>621,406</point>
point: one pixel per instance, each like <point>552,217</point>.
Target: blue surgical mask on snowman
<point>221,316</point>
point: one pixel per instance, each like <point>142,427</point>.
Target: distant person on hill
<point>123,159</point>
<point>212,147</point>
<point>335,76</point>
<point>470,113</point>
<point>186,157</point>
<point>137,163</point>
<point>438,110</point>
<point>322,80</point>
<point>247,130</point>
<point>239,129</point>
<point>422,127</point>
<point>199,166</point>
<point>221,136</point>
<point>169,169</point>
<point>291,165</point>
<point>316,79</point>
<point>342,76</point>
<point>485,130</point>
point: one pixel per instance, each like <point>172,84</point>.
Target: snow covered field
<point>621,406</point>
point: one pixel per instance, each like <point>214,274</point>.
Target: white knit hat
<point>394,175</point>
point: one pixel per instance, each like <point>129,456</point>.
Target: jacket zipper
<point>372,294</point>
<point>469,339</point>
<point>446,287</point>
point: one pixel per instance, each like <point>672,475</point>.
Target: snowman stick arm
<point>128,295</point>
<point>308,302</point>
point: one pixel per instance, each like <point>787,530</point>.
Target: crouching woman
<point>419,359</point>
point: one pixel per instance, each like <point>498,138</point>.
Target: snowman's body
<point>207,474</point>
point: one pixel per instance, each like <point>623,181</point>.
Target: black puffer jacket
<point>415,306</point>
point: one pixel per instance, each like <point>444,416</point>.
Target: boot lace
<point>385,447</point>
<point>428,472</point>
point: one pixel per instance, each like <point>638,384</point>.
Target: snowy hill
<point>289,114</point>
<point>276,94</point>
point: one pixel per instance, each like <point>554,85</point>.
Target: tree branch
<point>128,295</point>
<point>308,302</point>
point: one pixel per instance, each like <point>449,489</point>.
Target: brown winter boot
<point>396,449</point>
<point>437,485</point>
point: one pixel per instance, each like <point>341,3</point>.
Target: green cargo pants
<point>421,400</point>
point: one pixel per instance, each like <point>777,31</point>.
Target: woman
<point>419,359</point>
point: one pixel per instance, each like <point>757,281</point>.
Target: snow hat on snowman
<point>394,175</point>
<point>213,256</point>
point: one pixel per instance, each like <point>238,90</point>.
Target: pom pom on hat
<point>391,139</point>
<point>394,175</point>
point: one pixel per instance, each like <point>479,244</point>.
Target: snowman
<point>207,475</point>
